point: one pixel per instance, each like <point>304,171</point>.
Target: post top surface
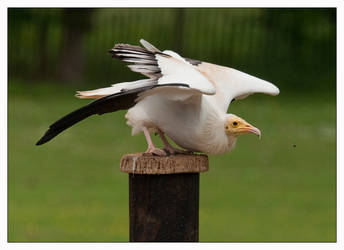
<point>140,163</point>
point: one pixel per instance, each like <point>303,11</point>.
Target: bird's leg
<point>169,148</point>
<point>151,148</point>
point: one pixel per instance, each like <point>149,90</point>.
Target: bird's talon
<point>175,151</point>
<point>155,151</point>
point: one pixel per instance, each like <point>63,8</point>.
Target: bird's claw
<point>155,151</point>
<point>174,151</point>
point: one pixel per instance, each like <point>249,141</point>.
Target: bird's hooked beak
<point>245,127</point>
<point>235,126</point>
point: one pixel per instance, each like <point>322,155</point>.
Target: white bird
<point>185,99</point>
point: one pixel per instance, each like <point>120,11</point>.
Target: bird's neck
<point>215,140</point>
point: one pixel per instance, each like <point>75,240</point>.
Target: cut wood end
<point>140,163</point>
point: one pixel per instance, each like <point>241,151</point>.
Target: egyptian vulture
<point>185,99</point>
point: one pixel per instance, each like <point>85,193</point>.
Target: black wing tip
<point>46,137</point>
<point>113,53</point>
<point>41,141</point>
<point>118,47</point>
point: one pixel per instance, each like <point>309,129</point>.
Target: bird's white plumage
<point>175,70</point>
<point>231,83</point>
<point>193,116</point>
<point>115,88</point>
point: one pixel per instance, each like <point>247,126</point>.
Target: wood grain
<point>148,164</point>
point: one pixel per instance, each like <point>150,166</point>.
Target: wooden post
<point>163,196</point>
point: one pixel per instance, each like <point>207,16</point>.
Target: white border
<point>150,3</point>
<point>176,3</point>
<point>340,123</point>
<point>3,124</point>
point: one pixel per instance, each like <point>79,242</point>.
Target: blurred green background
<point>282,188</point>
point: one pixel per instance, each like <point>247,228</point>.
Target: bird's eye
<point>235,123</point>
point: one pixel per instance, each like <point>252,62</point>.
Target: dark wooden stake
<point>163,196</point>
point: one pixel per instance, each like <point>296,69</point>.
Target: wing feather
<point>233,84</point>
<point>166,67</point>
<point>107,104</point>
<point>223,83</point>
<point>174,69</point>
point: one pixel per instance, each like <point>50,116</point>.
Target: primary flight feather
<point>185,99</point>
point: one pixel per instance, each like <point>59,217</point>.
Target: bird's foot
<point>174,151</point>
<point>155,151</point>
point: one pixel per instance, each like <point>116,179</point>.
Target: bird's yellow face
<point>236,126</point>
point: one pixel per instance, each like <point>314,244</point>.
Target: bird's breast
<point>196,126</point>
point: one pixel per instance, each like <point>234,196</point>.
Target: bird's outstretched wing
<point>226,84</point>
<point>165,67</point>
<point>111,103</point>
<point>233,84</point>
<point>161,67</point>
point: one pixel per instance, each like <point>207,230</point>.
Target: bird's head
<point>235,126</point>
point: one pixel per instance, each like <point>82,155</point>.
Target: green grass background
<point>71,189</point>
